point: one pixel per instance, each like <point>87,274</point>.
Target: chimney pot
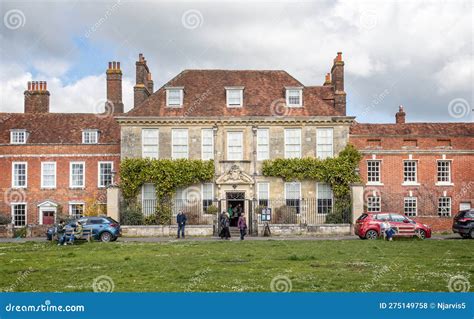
<point>29,85</point>
<point>110,65</point>
<point>118,65</point>
<point>114,65</point>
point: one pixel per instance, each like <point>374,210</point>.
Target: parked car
<point>463,223</point>
<point>368,226</point>
<point>102,228</point>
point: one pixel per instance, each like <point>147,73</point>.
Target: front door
<point>235,206</point>
<point>48,217</point>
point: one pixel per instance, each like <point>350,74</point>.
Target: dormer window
<point>294,97</point>
<point>235,96</point>
<point>90,137</point>
<point>18,136</point>
<point>174,97</point>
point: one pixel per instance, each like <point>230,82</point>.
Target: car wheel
<point>421,234</point>
<point>106,237</point>
<point>470,235</point>
<point>371,234</point>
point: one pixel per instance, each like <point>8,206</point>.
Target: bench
<point>86,234</point>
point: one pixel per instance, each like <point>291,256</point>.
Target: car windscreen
<point>362,217</point>
<point>111,220</point>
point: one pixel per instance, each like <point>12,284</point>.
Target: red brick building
<point>58,163</point>
<point>424,170</point>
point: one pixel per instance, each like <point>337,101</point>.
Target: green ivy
<point>167,175</point>
<point>339,172</point>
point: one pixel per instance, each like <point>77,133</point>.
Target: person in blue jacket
<point>181,221</point>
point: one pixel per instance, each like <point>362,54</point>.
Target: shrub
<point>5,219</point>
<point>151,220</point>
<point>212,209</point>
<point>19,232</point>
<point>131,215</point>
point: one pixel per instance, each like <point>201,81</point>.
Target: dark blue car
<point>102,228</point>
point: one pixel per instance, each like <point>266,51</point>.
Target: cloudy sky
<point>415,53</point>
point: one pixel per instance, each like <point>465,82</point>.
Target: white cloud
<point>456,75</point>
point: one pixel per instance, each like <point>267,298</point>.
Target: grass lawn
<point>353,265</point>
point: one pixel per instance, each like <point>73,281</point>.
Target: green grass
<point>354,265</point>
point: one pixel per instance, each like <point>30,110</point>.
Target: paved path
<point>169,239</point>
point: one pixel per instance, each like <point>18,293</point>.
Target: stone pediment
<point>235,175</point>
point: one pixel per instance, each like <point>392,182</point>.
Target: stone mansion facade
<point>54,163</point>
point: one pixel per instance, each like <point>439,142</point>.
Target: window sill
<point>294,106</point>
<point>410,184</point>
<point>77,188</point>
<point>375,184</point>
<point>444,184</point>
<point>174,106</point>
<point>47,188</point>
<point>19,187</point>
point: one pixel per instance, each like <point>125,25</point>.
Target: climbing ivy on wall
<point>167,175</point>
<point>339,172</point>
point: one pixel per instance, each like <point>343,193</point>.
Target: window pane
<point>292,143</point>
<point>234,97</point>
<point>444,171</point>
<point>325,197</point>
<point>234,145</point>
<point>409,171</point>
<point>180,143</point>
<point>77,174</point>
<point>150,143</point>
<point>373,171</point>
<point>373,204</point>
<point>444,206</point>
<point>48,177</point>
<point>76,210</point>
<point>410,206</point>
<point>263,148</point>
<point>19,174</point>
<point>19,214</point>
<point>294,97</point>
<point>174,97</point>
<point>207,152</point>
<point>105,173</point>
<point>324,142</point>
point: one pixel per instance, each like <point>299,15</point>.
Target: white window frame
<point>90,131</point>
<point>318,198</point>
<point>42,175</point>
<point>202,195</point>
<point>206,155</point>
<point>449,181</point>
<point>241,157</point>
<point>287,96</point>
<point>287,155</point>
<point>415,182</point>
<point>263,149</point>
<point>173,132</point>
<point>156,152</point>
<point>15,136</point>
<point>77,203</point>
<point>181,96</point>
<point>405,201</point>
<point>13,174</point>
<point>322,143</point>
<point>379,172</point>
<point>13,213</point>
<point>83,175</point>
<point>267,190</point>
<point>240,90</point>
<point>450,207</point>
<point>99,175</point>
<point>299,197</point>
<point>370,208</point>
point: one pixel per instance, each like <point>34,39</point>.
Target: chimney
<point>114,88</point>
<point>400,115</point>
<point>144,85</point>
<point>327,80</point>
<point>37,97</point>
<point>337,76</point>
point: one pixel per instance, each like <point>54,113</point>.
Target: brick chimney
<point>400,115</point>
<point>37,97</point>
<point>114,88</point>
<point>337,80</point>
<point>144,85</point>
<point>327,80</point>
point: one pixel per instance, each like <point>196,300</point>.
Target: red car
<point>368,226</point>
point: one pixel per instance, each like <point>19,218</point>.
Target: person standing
<point>222,225</point>
<point>181,221</point>
<point>242,225</point>
<point>226,226</point>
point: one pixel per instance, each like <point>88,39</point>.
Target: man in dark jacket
<point>181,221</point>
<point>61,233</point>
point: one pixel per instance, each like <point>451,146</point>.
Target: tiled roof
<point>414,129</point>
<point>264,94</point>
<point>63,128</point>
